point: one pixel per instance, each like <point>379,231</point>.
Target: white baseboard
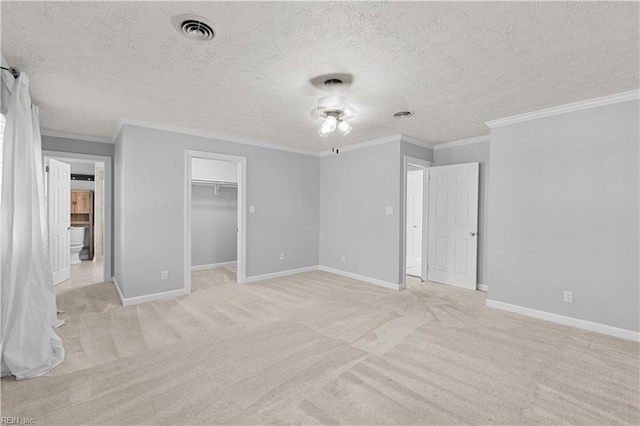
<point>369,280</point>
<point>483,287</point>
<point>155,296</point>
<point>263,277</point>
<point>147,297</point>
<point>213,265</point>
<point>572,322</point>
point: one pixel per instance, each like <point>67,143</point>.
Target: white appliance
<point>77,243</point>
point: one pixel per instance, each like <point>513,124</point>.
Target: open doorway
<point>415,176</point>
<point>215,216</point>
<point>77,194</point>
<point>414,265</point>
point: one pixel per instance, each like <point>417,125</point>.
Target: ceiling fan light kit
<point>344,128</point>
<point>328,126</point>
<point>335,110</point>
<point>332,123</point>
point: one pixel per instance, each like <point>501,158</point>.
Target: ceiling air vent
<point>193,27</point>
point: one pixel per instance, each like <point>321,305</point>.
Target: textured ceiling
<point>456,64</point>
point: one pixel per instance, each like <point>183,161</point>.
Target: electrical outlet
<point>281,256</point>
<point>388,210</point>
<point>344,259</point>
<point>568,297</point>
<point>252,209</point>
<point>164,275</point>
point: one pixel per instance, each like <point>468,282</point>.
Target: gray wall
<point>54,143</point>
<point>564,214</point>
<point>119,264</point>
<point>214,220</point>
<point>82,168</point>
<point>83,185</point>
<point>355,188</point>
<point>283,186</point>
<point>473,153</point>
<point>415,151</point>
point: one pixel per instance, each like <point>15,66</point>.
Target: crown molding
<point>461,142</point>
<point>380,141</point>
<point>365,144</point>
<point>229,138</point>
<point>416,141</point>
<point>563,109</point>
<point>207,134</point>
<point>56,134</point>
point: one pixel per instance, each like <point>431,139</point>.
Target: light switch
<point>252,209</point>
<point>389,210</point>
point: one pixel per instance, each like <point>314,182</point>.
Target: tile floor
<point>83,274</point>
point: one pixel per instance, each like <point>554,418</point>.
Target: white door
<point>414,222</point>
<point>58,193</point>
<point>453,224</point>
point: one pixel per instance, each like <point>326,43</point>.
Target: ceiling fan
<point>343,106</point>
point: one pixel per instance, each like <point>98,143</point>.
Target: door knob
<point>473,234</point>
<point>415,226</point>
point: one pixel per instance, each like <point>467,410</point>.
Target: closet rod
<point>213,182</point>
<point>15,72</point>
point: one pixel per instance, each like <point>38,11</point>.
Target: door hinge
<point>46,169</point>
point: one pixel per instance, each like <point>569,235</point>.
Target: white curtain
<point>28,343</point>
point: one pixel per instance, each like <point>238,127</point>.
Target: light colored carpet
<point>316,348</point>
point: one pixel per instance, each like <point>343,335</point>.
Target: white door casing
<point>107,199</point>
<point>412,163</point>
<point>453,224</point>
<point>414,221</point>
<point>58,193</point>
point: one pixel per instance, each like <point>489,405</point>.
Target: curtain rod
<point>15,72</point>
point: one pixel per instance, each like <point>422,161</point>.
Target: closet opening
<point>214,216</point>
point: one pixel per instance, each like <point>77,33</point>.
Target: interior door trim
<point>424,164</point>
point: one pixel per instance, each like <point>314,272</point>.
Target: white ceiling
<point>456,64</point>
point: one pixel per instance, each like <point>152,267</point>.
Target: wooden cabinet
<point>82,214</point>
<point>81,202</point>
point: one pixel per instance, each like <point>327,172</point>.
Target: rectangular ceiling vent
<point>89,178</point>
